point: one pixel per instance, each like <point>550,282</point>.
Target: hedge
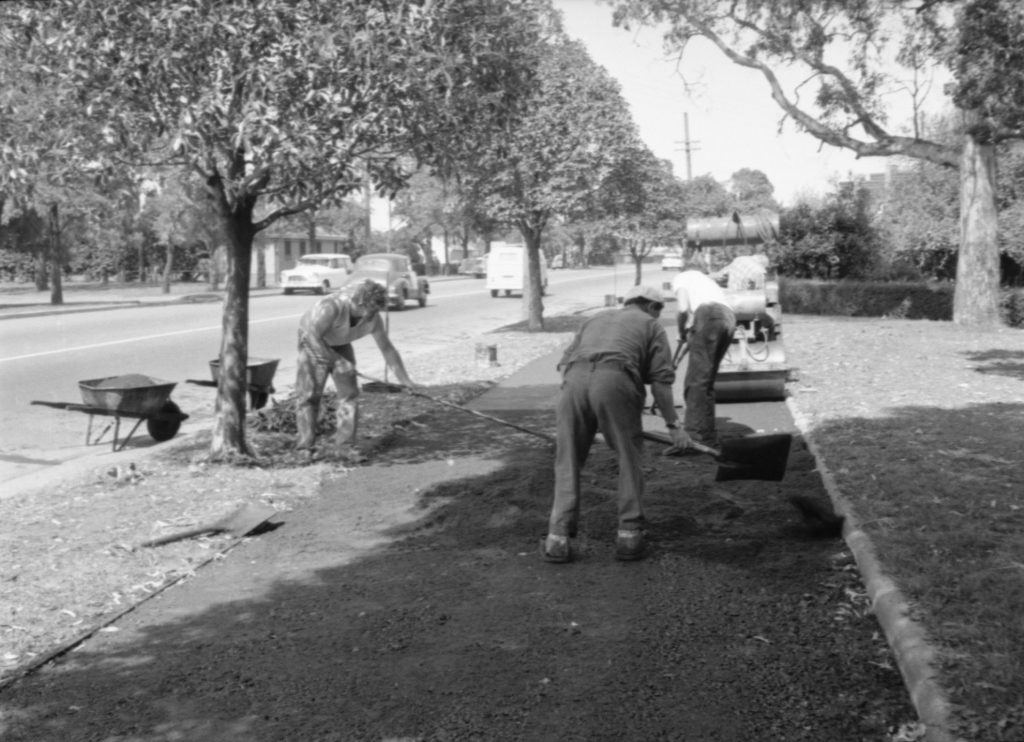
<point>896,300</point>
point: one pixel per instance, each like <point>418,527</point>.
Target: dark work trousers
<point>597,396</point>
<point>713,327</point>
<point>310,380</point>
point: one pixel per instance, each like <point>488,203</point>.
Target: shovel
<point>243,521</point>
<point>762,456</point>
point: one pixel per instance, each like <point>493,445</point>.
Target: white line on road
<point>138,339</point>
<point>57,351</point>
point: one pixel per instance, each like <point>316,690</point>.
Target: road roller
<point>755,368</point>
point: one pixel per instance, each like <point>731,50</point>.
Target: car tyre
<point>422,299</point>
<point>494,293</point>
<point>289,292</point>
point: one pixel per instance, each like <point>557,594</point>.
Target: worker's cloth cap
<point>649,293</point>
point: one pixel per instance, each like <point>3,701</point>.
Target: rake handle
<point>493,419</point>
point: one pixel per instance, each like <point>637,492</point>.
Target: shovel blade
<point>247,519</point>
<point>762,456</point>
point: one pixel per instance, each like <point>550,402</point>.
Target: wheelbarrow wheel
<point>165,428</point>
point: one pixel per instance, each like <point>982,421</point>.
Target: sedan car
<point>317,272</point>
<point>672,261</point>
<point>396,273</point>
<point>476,267</point>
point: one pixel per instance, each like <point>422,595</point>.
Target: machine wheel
<point>164,430</point>
<point>422,299</point>
<point>494,293</point>
<point>258,400</point>
<point>399,302</point>
<point>508,292</point>
<point>289,292</point>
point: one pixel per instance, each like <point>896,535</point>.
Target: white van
<point>507,269</point>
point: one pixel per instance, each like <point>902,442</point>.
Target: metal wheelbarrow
<point>133,396</point>
<point>259,374</point>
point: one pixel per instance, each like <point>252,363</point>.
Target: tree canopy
<point>558,151</point>
<point>277,105</point>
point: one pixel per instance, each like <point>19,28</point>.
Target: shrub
<point>867,299</point>
<point>906,300</point>
<point>1011,307</point>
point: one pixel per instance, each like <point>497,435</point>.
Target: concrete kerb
<point>915,657</point>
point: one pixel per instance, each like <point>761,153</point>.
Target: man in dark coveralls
<point>604,371</point>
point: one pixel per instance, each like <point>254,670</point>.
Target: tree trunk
<point>168,267</point>
<point>42,269</point>
<point>446,237</point>
<point>532,288</point>
<point>229,423</point>
<point>57,290</point>
<point>976,298</point>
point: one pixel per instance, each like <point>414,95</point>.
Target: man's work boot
<point>630,546</point>
<point>556,549</point>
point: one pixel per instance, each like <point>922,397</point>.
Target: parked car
<point>672,261</point>
<point>395,272</point>
<point>476,267</point>
<point>317,272</point>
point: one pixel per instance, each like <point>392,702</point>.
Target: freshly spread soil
<point>405,599</point>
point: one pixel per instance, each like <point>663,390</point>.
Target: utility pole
<point>688,145</point>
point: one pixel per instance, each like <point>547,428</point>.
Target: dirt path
<point>408,601</point>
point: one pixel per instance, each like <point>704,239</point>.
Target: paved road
<point>44,357</point>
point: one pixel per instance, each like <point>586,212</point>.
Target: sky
<point>733,122</point>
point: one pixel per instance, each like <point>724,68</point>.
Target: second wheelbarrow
<point>259,377</point>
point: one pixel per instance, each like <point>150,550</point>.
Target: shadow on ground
<point>447,625</point>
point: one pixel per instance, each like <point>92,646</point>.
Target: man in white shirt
<point>707,322</point>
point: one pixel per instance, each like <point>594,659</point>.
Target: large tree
<point>854,54</point>
<point>278,105</point>
<point>557,152</point>
<point>642,204</point>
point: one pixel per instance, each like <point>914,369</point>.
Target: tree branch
<point>884,144</point>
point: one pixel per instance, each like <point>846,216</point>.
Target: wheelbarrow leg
<point>128,437</point>
<point>90,441</point>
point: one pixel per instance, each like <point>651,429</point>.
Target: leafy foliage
<point>569,138</point>
<point>854,57</point>
<point>282,103</point>
<point>835,241</point>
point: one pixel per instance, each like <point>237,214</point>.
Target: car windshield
<point>378,264</point>
<point>322,262</point>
